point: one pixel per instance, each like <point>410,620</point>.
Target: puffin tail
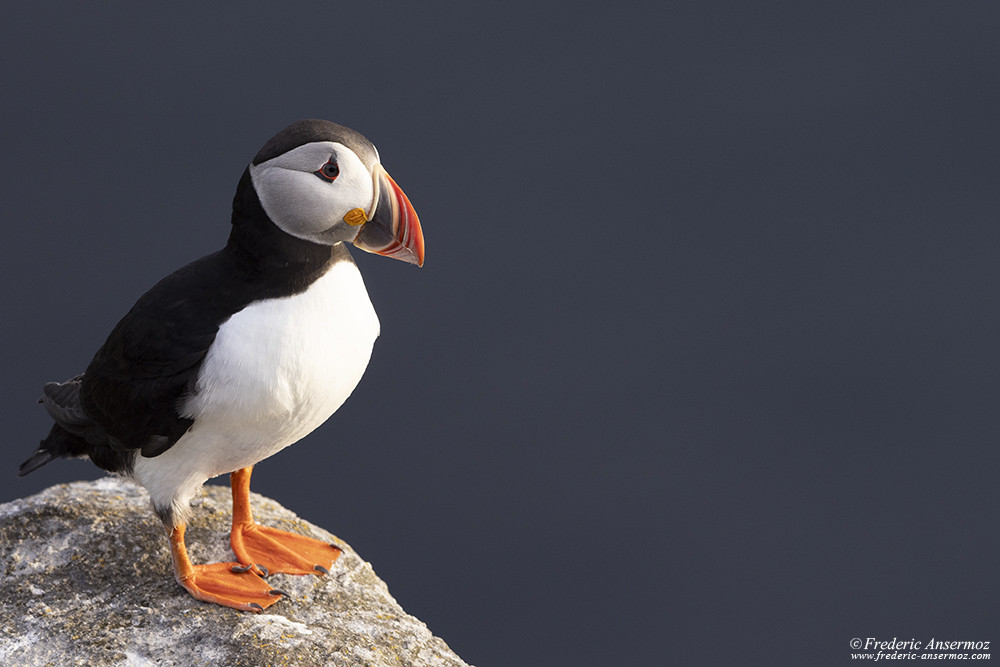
<point>37,460</point>
<point>59,443</point>
<point>74,432</point>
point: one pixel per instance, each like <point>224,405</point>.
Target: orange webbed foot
<point>280,551</point>
<point>221,584</point>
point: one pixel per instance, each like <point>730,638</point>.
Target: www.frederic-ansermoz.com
<point>876,650</point>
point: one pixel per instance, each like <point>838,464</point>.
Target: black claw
<point>240,568</point>
<point>257,606</point>
<point>277,591</point>
<point>336,547</point>
<point>263,569</point>
<point>320,568</point>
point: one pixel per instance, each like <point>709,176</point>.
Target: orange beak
<point>394,229</point>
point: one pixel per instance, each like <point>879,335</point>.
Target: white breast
<point>277,370</point>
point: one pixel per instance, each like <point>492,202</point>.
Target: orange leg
<point>218,582</point>
<point>276,550</point>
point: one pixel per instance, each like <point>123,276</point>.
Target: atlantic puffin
<point>242,353</point>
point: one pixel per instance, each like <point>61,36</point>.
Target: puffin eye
<point>329,171</point>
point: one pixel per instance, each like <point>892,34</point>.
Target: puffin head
<point>324,183</point>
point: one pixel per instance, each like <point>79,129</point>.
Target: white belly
<point>277,369</point>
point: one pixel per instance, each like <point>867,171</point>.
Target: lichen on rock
<point>86,579</point>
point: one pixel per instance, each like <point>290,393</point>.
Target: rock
<point>86,578</point>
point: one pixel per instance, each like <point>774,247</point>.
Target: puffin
<point>243,352</point>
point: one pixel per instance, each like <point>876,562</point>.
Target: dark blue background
<point>702,367</point>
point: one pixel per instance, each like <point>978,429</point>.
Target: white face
<point>298,194</point>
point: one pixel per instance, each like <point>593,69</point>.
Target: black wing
<point>137,381</point>
<point>130,396</point>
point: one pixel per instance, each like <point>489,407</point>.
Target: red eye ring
<point>329,171</point>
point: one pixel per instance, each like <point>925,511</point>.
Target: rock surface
<point>85,578</point>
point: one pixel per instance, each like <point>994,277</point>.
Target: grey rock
<point>85,578</point>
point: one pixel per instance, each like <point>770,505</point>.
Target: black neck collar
<point>264,250</point>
